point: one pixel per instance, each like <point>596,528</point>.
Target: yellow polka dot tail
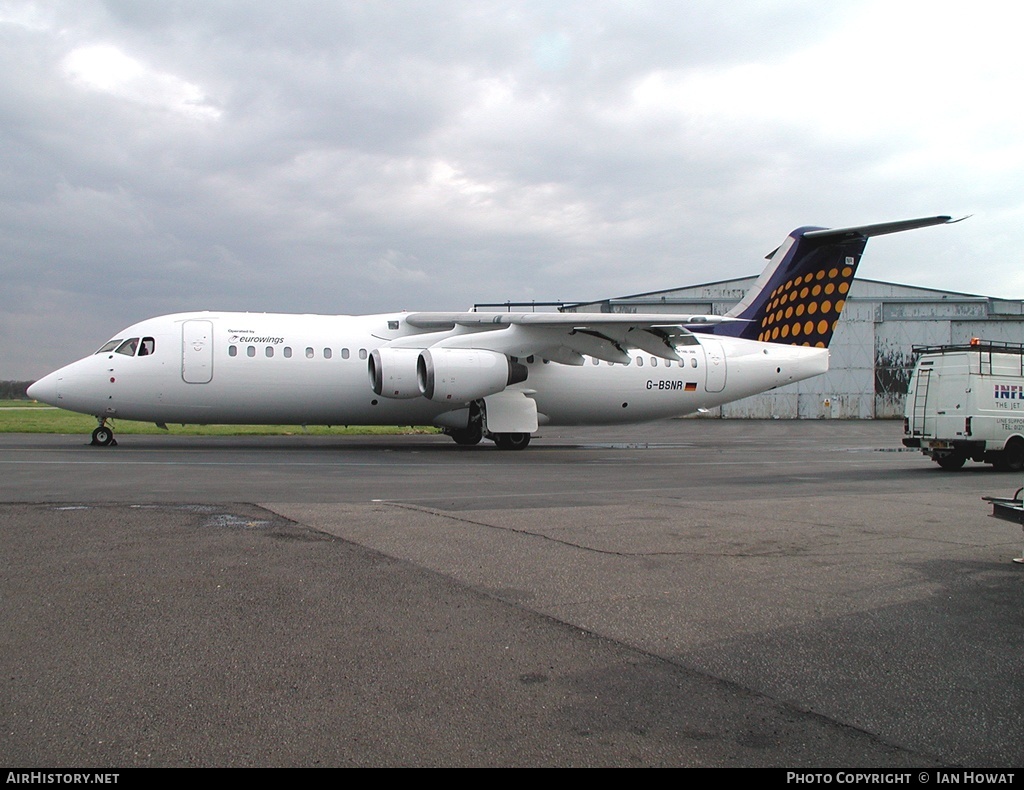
<point>804,309</point>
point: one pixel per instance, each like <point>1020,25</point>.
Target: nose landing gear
<point>103,436</point>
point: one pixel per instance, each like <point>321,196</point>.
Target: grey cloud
<point>353,157</point>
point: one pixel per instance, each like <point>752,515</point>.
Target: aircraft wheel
<point>466,437</point>
<point>511,441</point>
<point>103,437</point>
<point>951,461</point>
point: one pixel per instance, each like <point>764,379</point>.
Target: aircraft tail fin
<point>799,296</point>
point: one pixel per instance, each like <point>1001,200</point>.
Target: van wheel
<point>1012,458</point>
<point>951,461</point>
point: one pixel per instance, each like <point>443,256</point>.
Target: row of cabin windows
<point>682,363</point>
<point>655,362</point>
<point>286,352</point>
<point>328,353</point>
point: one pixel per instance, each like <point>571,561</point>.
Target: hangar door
<point>197,351</point>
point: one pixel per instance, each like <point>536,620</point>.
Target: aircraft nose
<point>44,390</point>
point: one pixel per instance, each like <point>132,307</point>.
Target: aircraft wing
<point>562,337</point>
<point>474,319</point>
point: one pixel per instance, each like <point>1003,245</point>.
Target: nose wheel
<point>103,437</point>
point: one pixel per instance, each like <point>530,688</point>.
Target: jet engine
<point>393,372</point>
<point>458,375</point>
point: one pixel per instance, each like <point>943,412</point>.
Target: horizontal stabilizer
<point>880,229</point>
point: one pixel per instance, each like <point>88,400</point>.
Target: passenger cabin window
<point>287,352</point>
<point>232,351</point>
<point>327,353</point>
<point>270,351</point>
<point>344,353</point>
<point>250,351</point>
<point>128,347</point>
<point>362,353</point>
<point>309,353</point>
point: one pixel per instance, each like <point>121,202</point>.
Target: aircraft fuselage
<point>203,368</point>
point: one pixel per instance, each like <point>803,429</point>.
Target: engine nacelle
<point>393,372</point>
<point>459,375</point>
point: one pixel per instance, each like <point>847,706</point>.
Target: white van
<point>967,401</point>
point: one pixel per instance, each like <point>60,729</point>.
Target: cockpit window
<point>109,346</point>
<point>128,347</point>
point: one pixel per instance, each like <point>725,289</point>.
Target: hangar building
<point>871,349</point>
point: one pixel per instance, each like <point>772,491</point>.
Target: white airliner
<point>475,375</point>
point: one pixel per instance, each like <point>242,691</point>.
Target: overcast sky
<point>352,157</point>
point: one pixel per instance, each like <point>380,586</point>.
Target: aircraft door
<point>197,351</point>
<point>714,358</point>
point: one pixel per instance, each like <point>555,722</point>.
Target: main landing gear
<point>511,441</point>
<point>103,436</point>
<point>474,433</point>
<point>467,437</point>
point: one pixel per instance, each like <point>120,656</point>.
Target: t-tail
<point>799,296</point>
